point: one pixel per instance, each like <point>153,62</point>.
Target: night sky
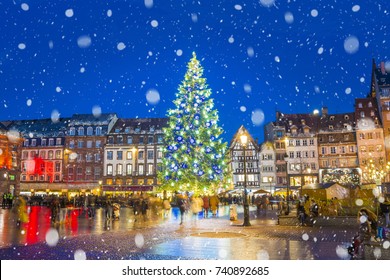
<point>58,58</point>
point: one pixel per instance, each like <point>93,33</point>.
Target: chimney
<point>324,111</point>
<point>383,70</point>
<point>277,115</point>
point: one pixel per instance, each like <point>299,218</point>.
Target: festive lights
<point>194,153</point>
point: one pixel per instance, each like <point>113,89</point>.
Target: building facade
<point>132,155</point>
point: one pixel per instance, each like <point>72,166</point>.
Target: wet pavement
<point>158,237</point>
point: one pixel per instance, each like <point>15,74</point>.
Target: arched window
<point>98,130</point>
<point>72,131</point>
<point>81,131</point>
<point>89,131</point>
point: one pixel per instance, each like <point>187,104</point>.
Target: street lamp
<point>244,141</point>
<point>288,188</point>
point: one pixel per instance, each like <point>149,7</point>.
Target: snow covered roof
<point>40,128</point>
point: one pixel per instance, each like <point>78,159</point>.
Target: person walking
<point>63,208</point>
<point>385,208</point>
<point>214,202</point>
<point>206,205</point>
<point>182,203</point>
<point>108,208</point>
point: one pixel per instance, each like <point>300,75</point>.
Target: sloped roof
<point>40,128</point>
<point>337,121</point>
<point>300,121</point>
<point>143,124</point>
<point>90,119</point>
<point>250,138</point>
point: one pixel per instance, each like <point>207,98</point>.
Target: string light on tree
<point>194,152</point>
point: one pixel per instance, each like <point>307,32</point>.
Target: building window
<point>119,140</point>
<point>50,155</point>
<point>351,149</point>
<point>369,104</point>
<point>159,154</point>
<point>119,155</point>
<point>110,155</point>
<point>58,154</point>
<point>141,140</point>
<point>141,155</point>
<point>346,137</point>
<point>129,155</point>
<point>332,150</point>
<point>58,142</point>
<point>297,142</point>
<point>159,139</point>
<point>129,140</point>
<point>81,131</point>
<point>57,167</point>
<point>109,169</point>
<point>43,142</point>
<point>110,140</point>
<point>129,169</point>
<point>51,142</point>
<point>89,157</point>
<point>98,143</point>
<point>98,130</point>
<point>150,169</point>
<point>33,142</point>
<point>304,142</point>
<point>150,154</point>
<point>362,114</point>
<point>360,105</point>
<point>79,174</point>
<point>119,169</point>
<point>72,131</point>
<point>331,127</point>
<point>88,173</point>
<point>150,140</point>
<point>80,144</point>
<point>363,149</point>
<point>71,144</point>
<point>89,131</point>
<point>89,144</point>
<point>331,138</point>
<point>141,169</point>
<point>379,148</point>
<point>97,157</point>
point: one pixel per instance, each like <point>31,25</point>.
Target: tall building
<point>337,149</point>
<point>132,155</point>
<point>298,132</point>
<point>83,159</point>
<point>10,142</point>
<point>42,152</point>
<point>370,140</point>
<point>267,167</point>
<point>380,90</point>
<point>250,158</point>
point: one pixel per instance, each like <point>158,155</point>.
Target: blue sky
<point>129,57</point>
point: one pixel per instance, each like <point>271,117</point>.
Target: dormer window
<point>303,122</point>
<point>369,104</point>
<point>290,122</point>
<point>360,105</point>
<point>306,130</point>
<point>331,127</point>
<point>331,118</point>
<point>294,130</point>
<point>72,131</point>
<point>346,117</point>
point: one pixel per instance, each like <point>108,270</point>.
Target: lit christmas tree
<point>194,153</point>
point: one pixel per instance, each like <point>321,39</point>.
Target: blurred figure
<point>63,208</point>
<point>108,208</point>
<point>385,208</point>
<point>20,208</point>
<point>55,209</point>
<point>166,207</point>
<point>182,203</point>
<point>301,214</point>
<point>214,202</point>
<point>206,205</point>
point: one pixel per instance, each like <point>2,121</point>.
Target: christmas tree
<point>194,153</point>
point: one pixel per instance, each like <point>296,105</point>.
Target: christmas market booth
<point>326,191</point>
